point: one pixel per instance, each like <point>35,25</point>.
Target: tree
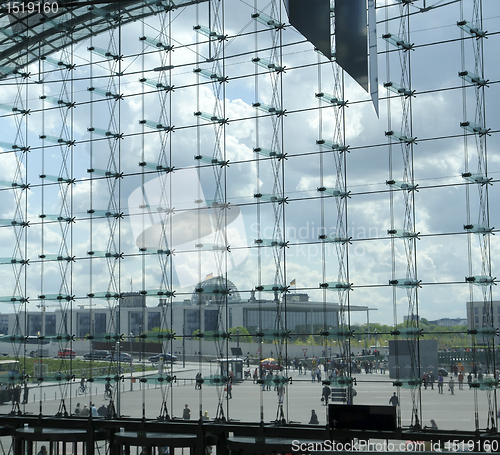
<point>242,333</point>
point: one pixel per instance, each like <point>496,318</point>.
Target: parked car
<point>122,357</point>
<point>270,364</point>
<point>39,353</point>
<point>96,355</point>
<point>165,357</point>
<point>66,352</point>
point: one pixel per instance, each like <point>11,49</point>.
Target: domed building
<point>215,289</point>
<point>202,311</point>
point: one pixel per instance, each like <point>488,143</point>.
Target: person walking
<point>451,385</point>
<point>326,394</point>
<point>26,392</point>
<point>197,384</point>
<point>280,390</point>
<point>460,381</point>
<point>431,380</point>
<point>440,383</point>
<point>269,379</point>
<point>394,400</point>
<point>186,413</point>
<point>469,380</point>
<point>17,394</point>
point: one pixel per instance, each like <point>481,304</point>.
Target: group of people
<point>337,366</point>
<point>17,391</point>
<point>87,411</point>
<point>316,374</point>
<point>186,414</point>
<point>428,379</point>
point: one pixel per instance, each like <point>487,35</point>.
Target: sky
<point>438,106</point>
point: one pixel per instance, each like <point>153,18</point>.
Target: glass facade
<point>201,178</point>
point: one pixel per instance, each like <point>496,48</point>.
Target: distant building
<point>132,300</point>
<point>201,313</point>
<point>4,324</point>
<point>477,314</point>
<point>413,317</point>
<point>448,322</point>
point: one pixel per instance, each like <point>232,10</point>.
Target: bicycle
<point>83,390</point>
<point>108,393</point>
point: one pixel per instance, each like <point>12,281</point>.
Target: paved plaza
<point>451,412</point>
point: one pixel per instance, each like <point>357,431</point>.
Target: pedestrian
<point>255,376</point>
<point>26,393</point>
<point>460,381</point>
<point>300,367</point>
<point>229,389</point>
<point>269,379</point>
<point>440,383</point>
<point>186,413</point>
<point>451,385</point>
<point>394,400</point>
<point>43,451</point>
<point>102,411</point>
<point>469,379</point>
<point>313,374</point>
<point>77,409</point>
<point>424,380</point>
<point>85,411</point>
<point>108,390</point>
<point>431,380</point>
<point>17,394</point>
<point>314,418</point>
<point>93,409</point>
<point>281,392</point>
<point>205,416</point>
<point>197,384</point>
<point>326,394</point>
<point>433,425</point>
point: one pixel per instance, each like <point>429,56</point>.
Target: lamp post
<point>183,346</point>
<point>117,350</point>
<point>140,344</point>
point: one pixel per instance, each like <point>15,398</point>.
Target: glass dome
<point>215,289</point>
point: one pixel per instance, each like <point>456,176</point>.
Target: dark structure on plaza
<point>175,171</point>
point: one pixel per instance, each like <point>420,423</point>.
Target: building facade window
<point>154,320</point>
<point>99,323</point>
